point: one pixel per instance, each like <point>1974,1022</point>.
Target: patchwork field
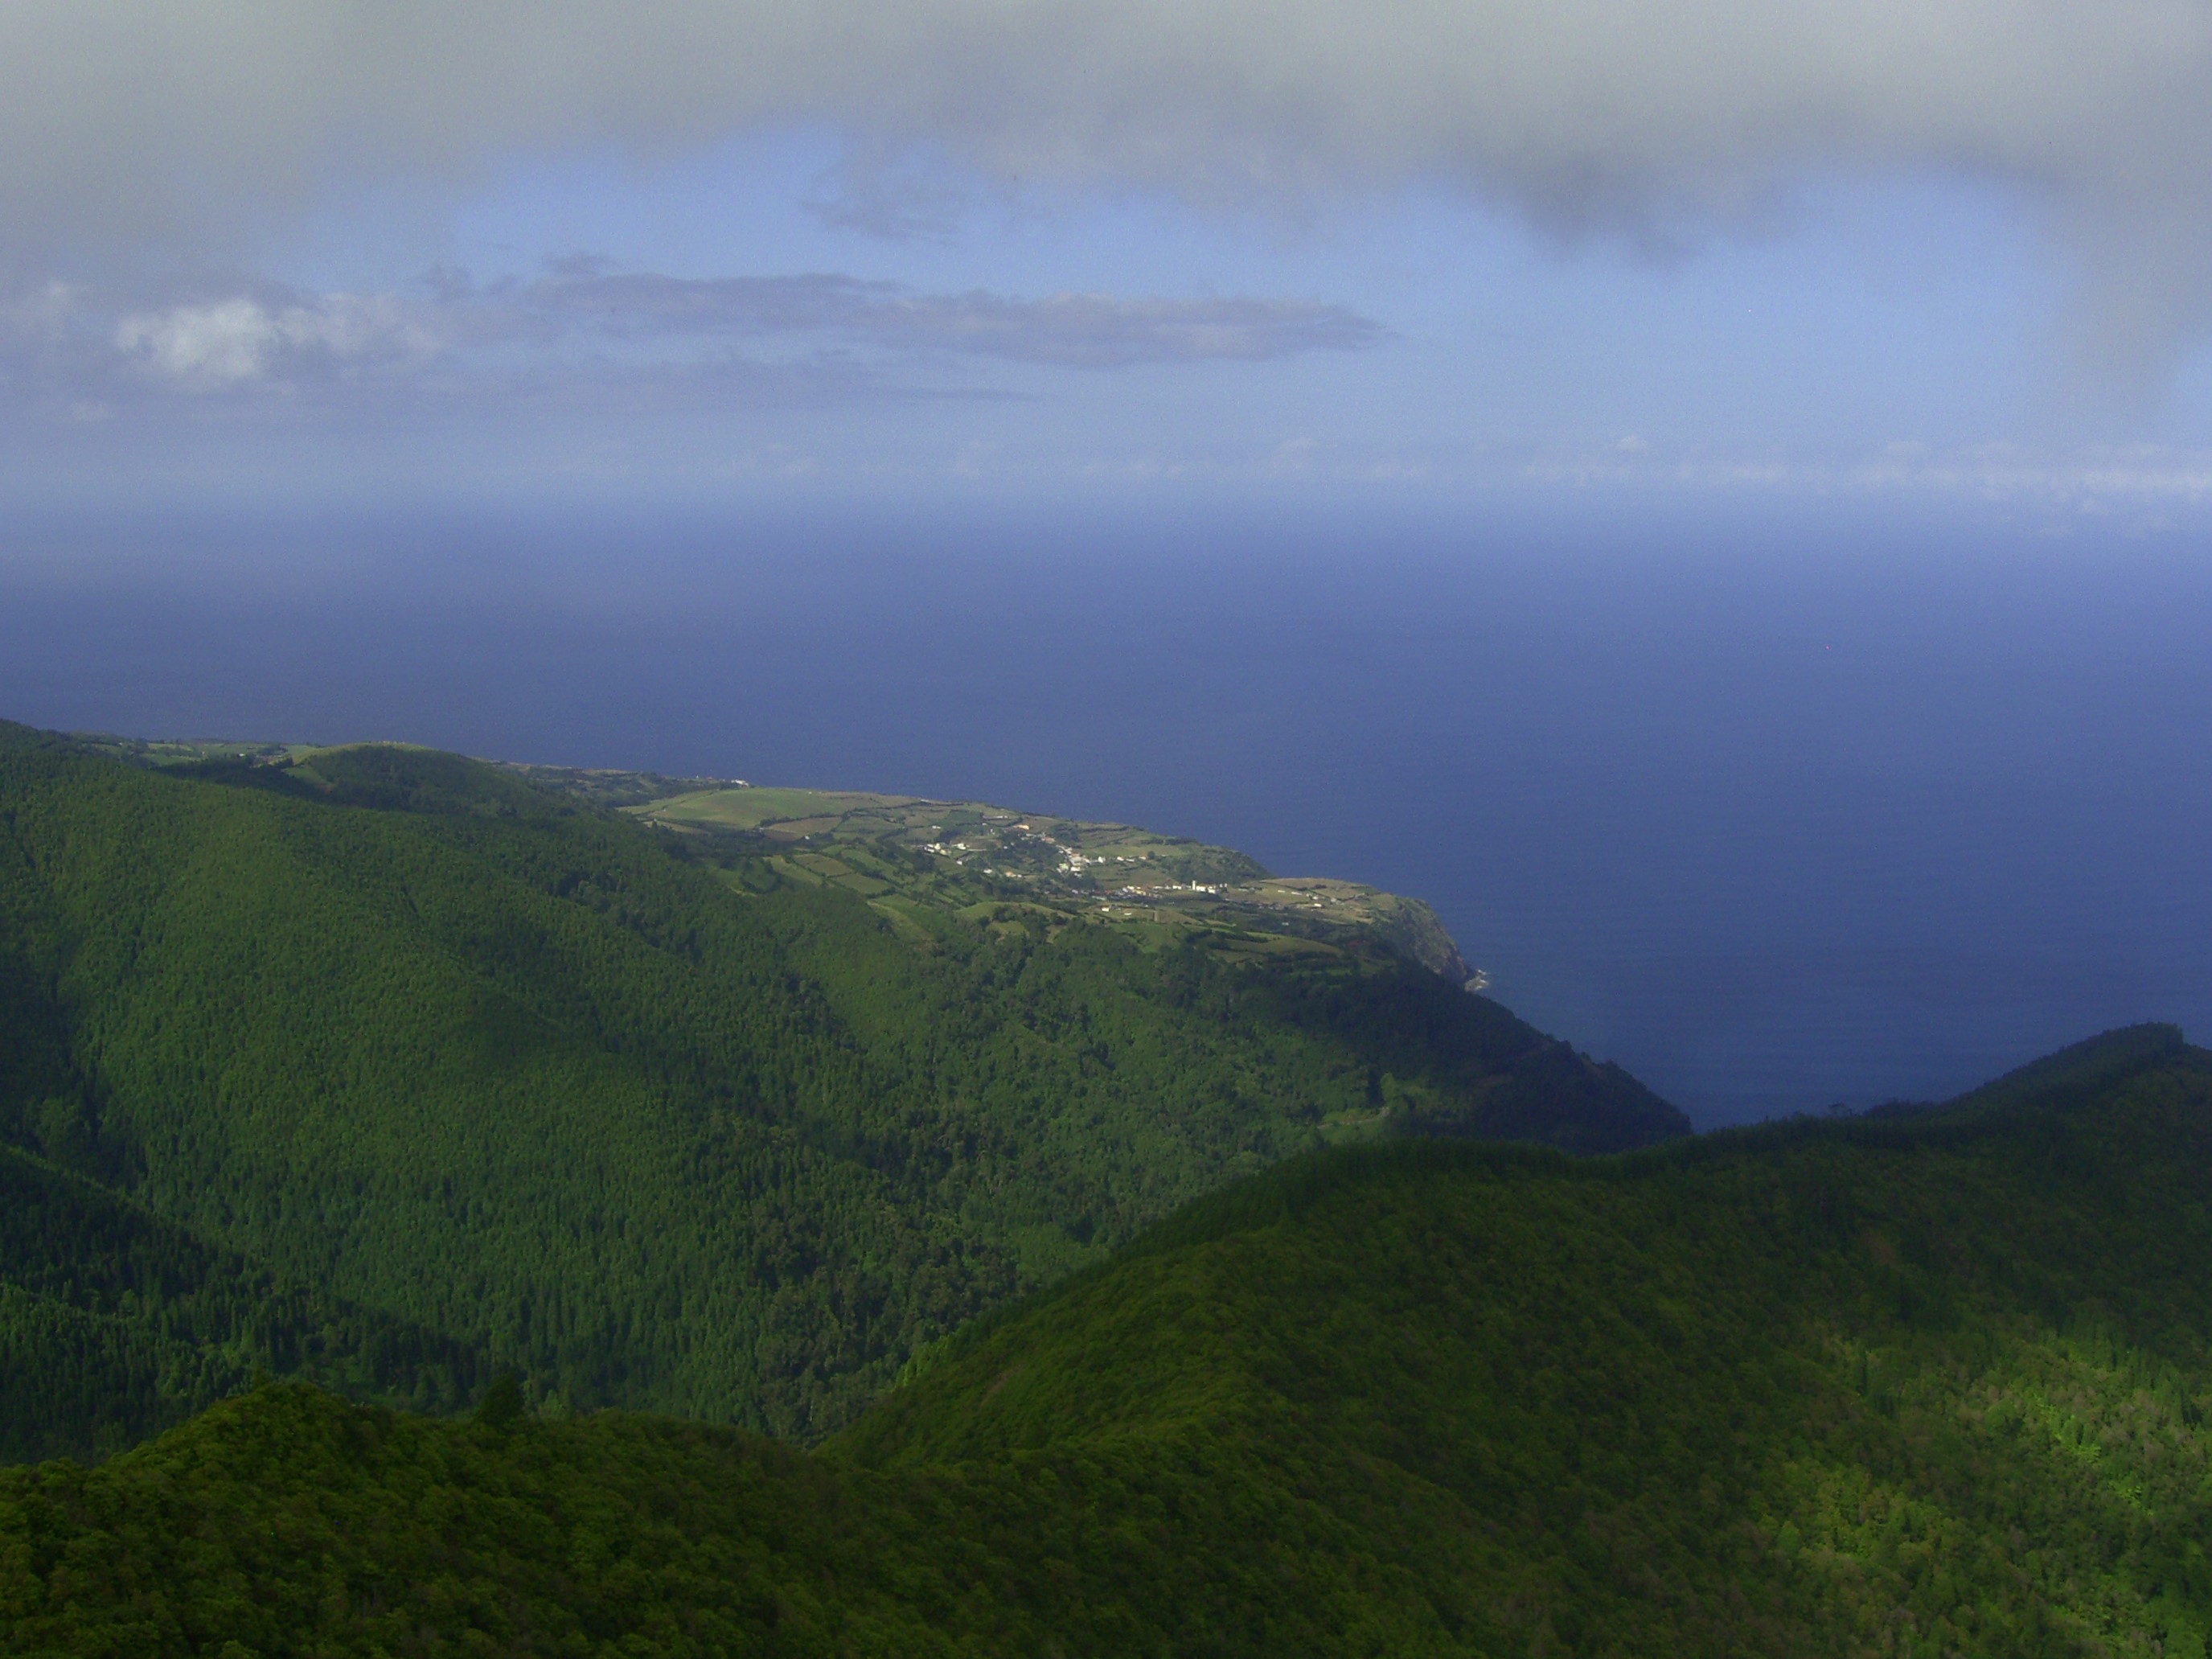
<point>967,857</point>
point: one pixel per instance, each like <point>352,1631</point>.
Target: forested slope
<point>113,1323</point>
<point>1926,1384</point>
<point>421,1043</point>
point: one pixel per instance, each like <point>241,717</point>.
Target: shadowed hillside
<point>1934,1383</point>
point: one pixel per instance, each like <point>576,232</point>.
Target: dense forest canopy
<point>390,1070</point>
<point>1928,1383</point>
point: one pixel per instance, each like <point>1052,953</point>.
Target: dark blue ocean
<point>1778,805</point>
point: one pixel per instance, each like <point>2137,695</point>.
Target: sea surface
<point>1778,805</point>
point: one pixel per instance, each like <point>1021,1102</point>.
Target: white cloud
<point>229,341</point>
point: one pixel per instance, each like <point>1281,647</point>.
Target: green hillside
<point>112,1322</point>
<point>921,863</point>
<point>474,1073</point>
<point>1921,1383</point>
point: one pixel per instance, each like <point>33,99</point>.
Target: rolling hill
<point>1930,1382</point>
<point>469,1067</point>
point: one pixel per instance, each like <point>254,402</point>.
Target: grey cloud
<point>585,324</point>
<point>1085,331</point>
<point>126,120</point>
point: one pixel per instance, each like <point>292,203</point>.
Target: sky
<point>283,248</point>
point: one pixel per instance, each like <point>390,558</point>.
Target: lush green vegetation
<point>1926,1384</point>
<point>385,1069</point>
<point>114,1324</point>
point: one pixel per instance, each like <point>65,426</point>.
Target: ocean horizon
<point>1780,806</point>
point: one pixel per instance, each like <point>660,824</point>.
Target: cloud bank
<point>126,122</point>
<point>587,324</point>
